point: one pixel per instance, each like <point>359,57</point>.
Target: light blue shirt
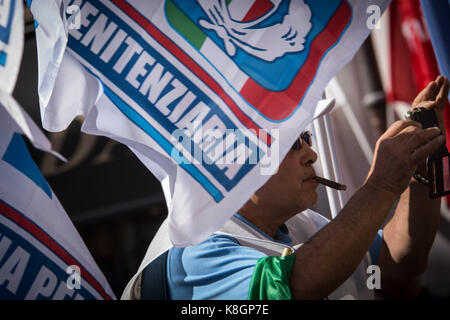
<point>219,268</point>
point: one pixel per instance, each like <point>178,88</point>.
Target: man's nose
<point>309,155</point>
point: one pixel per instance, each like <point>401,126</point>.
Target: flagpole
<point>330,167</point>
<point>358,132</point>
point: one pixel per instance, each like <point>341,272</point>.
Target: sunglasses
<point>305,136</point>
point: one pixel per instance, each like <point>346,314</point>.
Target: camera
<point>438,177</point>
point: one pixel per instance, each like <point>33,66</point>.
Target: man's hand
<point>398,152</point>
<point>434,96</point>
<point>332,254</point>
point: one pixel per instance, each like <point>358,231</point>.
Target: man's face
<point>292,188</point>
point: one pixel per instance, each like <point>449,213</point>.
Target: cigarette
<point>330,183</point>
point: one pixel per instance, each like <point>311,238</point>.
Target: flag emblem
<point>269,51</point>
<point>240,28</point>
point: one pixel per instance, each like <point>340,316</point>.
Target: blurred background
<point>117,205</point>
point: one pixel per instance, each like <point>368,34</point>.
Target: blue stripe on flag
<point>18,156</point>
<point>3,56</point>
<point>137,119</point>
<point>5,30</point>
<point>37,261</point>
<point>25,220</point>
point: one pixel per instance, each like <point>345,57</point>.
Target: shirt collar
<point>281,236</point>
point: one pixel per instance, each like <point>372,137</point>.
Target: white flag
<point>210,95</point>
<point>42,256</point>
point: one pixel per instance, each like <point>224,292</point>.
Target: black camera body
<point>438,162</point>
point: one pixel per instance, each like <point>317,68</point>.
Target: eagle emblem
<point>263,41</point>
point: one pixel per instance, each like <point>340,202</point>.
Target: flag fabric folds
<point>42,256</point>
<point>210,95</point>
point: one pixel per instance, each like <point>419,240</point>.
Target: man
<point>330,257</point>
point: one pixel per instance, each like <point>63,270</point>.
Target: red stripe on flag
<point>193,66</point>
<point>258,8</point>
<point>279,105</point>
<point>45,239</point>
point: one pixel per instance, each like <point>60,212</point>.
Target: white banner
<point>42,256</point>
<point>209,94</point>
